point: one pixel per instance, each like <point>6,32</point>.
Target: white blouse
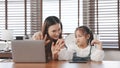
<point>67,53</point>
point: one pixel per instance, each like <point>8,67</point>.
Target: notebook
<point>81,61</point>
<point>71,61</point>
<point>28,51</point>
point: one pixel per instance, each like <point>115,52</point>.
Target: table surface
<point>5,55</point>
<point>62,64</point>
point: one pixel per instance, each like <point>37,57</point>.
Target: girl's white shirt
<point>67,53</point>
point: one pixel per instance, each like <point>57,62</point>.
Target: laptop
<point>28,51</point>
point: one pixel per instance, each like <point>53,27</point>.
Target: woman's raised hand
<point>46,40</point>
<point>56,47</point>
<point>39,36</point>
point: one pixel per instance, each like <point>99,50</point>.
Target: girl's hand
<point>97,42</point>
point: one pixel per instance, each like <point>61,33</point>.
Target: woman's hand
<point>39,36</point>
<point>56,48</point>
<point>97,42</point>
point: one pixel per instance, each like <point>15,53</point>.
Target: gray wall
<point>113,55</point>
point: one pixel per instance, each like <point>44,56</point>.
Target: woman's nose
<point>57,33</point>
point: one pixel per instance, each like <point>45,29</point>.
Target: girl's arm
<point>97,51</point>
<point>97,55</point>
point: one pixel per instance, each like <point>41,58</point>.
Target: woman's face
<point>81,39</point>
<point>54,31</point>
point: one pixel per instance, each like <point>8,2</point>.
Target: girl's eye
<point>78,36</point>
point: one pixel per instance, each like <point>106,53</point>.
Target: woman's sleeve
<point>65,54</point>
<point>97,55</point>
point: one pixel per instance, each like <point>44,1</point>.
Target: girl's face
<point>54,31</point>
<point>81,38</point>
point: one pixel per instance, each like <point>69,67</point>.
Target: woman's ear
<point>88,36</point>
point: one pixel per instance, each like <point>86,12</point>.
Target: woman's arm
<point>65,54</point>
<point>56,47</point>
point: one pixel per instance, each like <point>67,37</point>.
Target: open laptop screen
<point>28,51</point>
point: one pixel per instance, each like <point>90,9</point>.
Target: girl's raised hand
<point>97,43</point>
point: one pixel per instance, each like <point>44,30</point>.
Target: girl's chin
<point>78,44</point>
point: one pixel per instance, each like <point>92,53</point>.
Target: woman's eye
<point>59,30</point>
<point>53,31</point>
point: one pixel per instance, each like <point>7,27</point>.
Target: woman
<point>52,34</point>
<point>86,47</point>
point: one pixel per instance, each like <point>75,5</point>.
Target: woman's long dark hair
<point>86,31</point>
<point>49,21</point>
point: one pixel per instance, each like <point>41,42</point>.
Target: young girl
<point>86,46</point>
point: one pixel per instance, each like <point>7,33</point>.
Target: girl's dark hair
<point>49,21</point>
<point>85,31</point>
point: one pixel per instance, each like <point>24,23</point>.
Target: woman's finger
<point>47,41</point>
<point>45,38</point>
<point>41,35</point>
<point>59,42</point>
<point>62,45</point>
